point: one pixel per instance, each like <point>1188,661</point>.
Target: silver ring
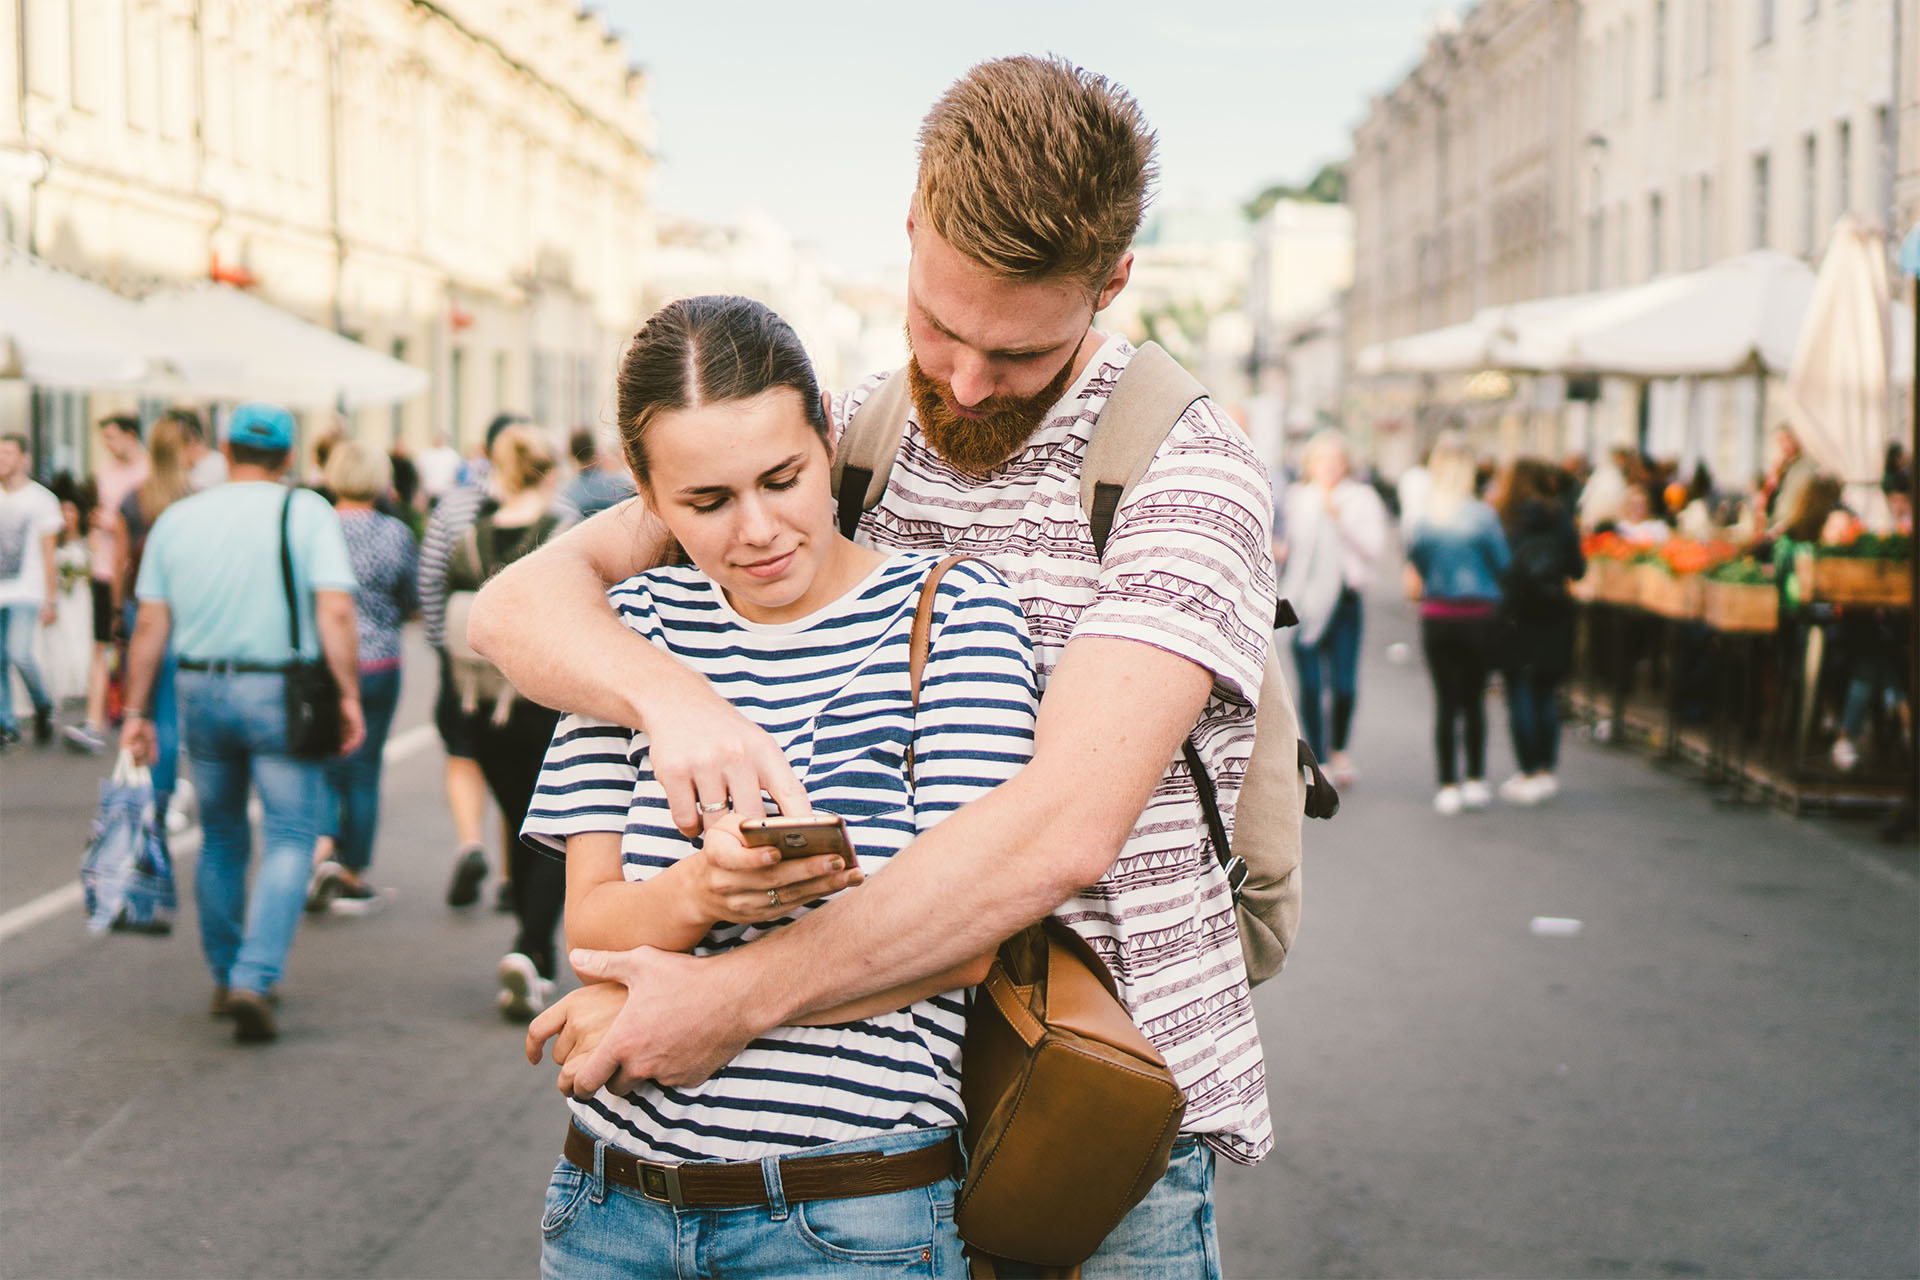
<point>773,897</point>
<point>712,808</point>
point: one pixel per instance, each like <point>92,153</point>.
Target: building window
<point>397,421</point>
<point>1762,22</point>
<point>1706,242</point>
<point>500,382</point>
<point>1656,235</point>
<point>1762,182</point>
<point>1707,35</point>
<point>1596,249</point>
<point>1883,131</point>
<point>86,71</point>
<point>1659,70</point>
<point>1843,167</point>
<point>1809,193</point>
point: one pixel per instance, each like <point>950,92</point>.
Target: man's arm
<point>1115,714</point>
<point>545,622</point>
<point>151,627</point>
<point>340,642</point>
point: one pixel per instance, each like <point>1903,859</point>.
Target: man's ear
<point>1122,272</point>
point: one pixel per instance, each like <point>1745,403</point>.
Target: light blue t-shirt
<point>214,558</point>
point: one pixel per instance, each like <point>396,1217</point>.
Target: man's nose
<point>972,381</point>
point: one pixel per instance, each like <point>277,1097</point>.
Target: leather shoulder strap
<point>1152,394</point>
<point>868,447</point>
<point>920,639</point>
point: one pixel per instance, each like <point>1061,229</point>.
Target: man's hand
<point>704,751</point>
<point>49,613</point>
<point>353,725</point>
<point>680,1024</point>
<point>137,739</point>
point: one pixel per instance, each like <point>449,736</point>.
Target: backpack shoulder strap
<point>868,447</point>
<point>1152,394</point>
<point>919,640</point>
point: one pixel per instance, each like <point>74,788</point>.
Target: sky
<point>809,111</point>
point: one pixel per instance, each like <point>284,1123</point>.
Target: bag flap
<point>1080,998</point>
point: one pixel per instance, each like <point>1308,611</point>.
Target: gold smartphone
<point>800,837</point>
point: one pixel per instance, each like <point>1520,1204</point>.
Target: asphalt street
<point>1717,1075</point>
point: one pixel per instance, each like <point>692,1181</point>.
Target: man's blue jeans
<point>595,1230</point>
<point>352,806</point>
<point>1170,1235</point>
<point>18,622</point>
<point>237,738</point>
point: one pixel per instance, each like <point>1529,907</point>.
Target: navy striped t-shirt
<point>832,690</point>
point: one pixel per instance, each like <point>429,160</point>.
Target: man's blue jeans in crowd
<point>236,729</point>
<point>18,622</point>
<point>352,813</point>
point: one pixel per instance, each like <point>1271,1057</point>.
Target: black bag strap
<point>286,574</point>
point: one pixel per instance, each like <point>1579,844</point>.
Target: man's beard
<point>979,446</point>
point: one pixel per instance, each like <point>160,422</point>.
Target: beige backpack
<point>1283,783</point>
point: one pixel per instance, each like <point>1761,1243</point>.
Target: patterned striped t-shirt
<point>1188,570</point>
<point>832,690</point>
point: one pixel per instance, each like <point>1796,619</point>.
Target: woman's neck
<point>523,507</point>
<point>351,504</point>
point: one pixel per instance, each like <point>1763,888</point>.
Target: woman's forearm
<point>616,915</point>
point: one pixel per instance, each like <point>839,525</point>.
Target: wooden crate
<point>1850,580</point>
<point>1740,606</point>
<point>1613,582</point>
<point>1670,595</point>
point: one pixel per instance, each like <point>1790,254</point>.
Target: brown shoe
<point>252,1013</point>
<point>218,1009</point>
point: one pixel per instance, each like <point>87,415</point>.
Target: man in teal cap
<point>212,579</point>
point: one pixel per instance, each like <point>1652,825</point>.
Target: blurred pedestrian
<point>1455,563</point>
<point>1785,482</point>
<point>206,464</point>
<point>466,786</point>
<point>439,469</point>
<point>386,575</point>
<point>212,582</point>
<point>510,737</point>
<point>1336,532</point>
<point>30,525</point>
<point>115,475</point>
<point>1538,612</point>
<point>1639,522</point>
<point>169,479</point>
<point>600,480</point>
<point>66,648</point>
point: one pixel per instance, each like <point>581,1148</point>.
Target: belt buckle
<point>660,1183</point>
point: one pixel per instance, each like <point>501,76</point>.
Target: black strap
<point>1322,800</point>
<point>853,492</point>
<point>1230,862</point>
<point>286,574</point>
<point>1106,503</point>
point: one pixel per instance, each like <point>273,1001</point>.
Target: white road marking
<point>68,897</point>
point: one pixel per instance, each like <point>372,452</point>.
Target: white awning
<point>233,346</point>
<point>59,330</point>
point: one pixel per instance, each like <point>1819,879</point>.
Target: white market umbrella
<point>233,346</point>
<point>1456,348</point>
<point>1839,393</point>
<point>59,330</point>
<point>1738,316</point>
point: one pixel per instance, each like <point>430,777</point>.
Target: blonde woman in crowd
<point>1456,561</point>
<point>169,478</point>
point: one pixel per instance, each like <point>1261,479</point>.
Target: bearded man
<point>1033,180</point>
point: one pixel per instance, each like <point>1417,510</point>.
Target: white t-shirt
<point>832,690</point>
<point>439,470</point>
<point>211,470</point>
<point>1188,569</point>
<point>27,515</point>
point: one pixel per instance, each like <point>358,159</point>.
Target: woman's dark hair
<point>1527,480</point>
<point>709,350</point>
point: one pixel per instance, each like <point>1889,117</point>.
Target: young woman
<point>1539,620</point>
<point>385,569</point>
<point>1336,532</point>
<point>808,635</point>
<point>169,478</point>
<point>510,740</point>
<point>1455,564</point>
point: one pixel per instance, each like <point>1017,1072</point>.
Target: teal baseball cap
<point>261,426</point>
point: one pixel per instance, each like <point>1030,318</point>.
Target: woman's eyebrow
<point>695,491</point>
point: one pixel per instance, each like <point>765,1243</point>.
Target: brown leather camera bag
<point>1071,1113</point>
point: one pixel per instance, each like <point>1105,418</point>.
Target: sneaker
<point>85,738</point>
<point>1545,786</point>
<point>1340,770</point>
<point>43,727</point>
<point>1446,801</point>
<point>329,878</point>
<point>523,992</point>
<point>356,898</point>
<point>468,871</point>
<point>1475,794</point>
<point>1845,755</point>
<point>252,1014</point>
<point>1519,789</point>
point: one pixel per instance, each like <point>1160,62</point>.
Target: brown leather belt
<point>730,1186</point>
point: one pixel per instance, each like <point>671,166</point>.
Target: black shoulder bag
<point>313,695</point>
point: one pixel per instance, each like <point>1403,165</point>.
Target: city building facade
<point>463,185</point>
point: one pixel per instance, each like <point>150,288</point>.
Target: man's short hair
<point>250,455</point>
<point>126,422</point>
<point>1035,169</point>
<point>14,437</point>
<point>584,447</point>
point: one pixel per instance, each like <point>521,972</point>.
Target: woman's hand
<point>575,1023</point>
<point>1410,582</point>
<point>704,751</point>
<point>749,885</point>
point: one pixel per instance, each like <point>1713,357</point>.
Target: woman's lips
<point>768,568</point>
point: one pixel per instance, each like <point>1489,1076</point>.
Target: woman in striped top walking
<point>827,1147</point>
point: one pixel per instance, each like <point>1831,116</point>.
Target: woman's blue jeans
<point>352,809</point>
<point>1334,662</point>
<point>237,739</point>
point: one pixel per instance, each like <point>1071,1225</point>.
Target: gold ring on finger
<point>773,897</point>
